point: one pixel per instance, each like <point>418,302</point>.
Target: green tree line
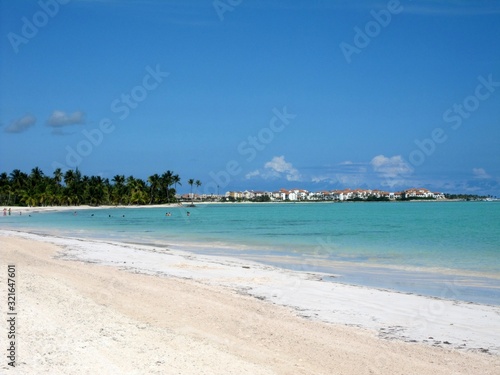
<point>72,188</point>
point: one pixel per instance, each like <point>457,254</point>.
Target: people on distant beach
<point>9,211</point>
<point>4,212</point>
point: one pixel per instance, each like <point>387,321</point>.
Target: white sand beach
<point>90,307</point>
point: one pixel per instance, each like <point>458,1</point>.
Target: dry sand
<point>81,318</point>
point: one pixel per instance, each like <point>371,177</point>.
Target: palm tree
<point>118,188</point>
<point>69,182</point>
<point>36,175</point>
<point>56,184</point>
<point>94,191</point>
<point>136,191</point>
<point>18,179</point>
<point>4,179</point>
<point>191,182</point>
<point>35,187</point>
<point>73,188</point>
<point>28,198</point>
<point>69,177</point>
<point>176,180</point>
<point>154,183</point>
<point>166,179</point>
<point>58,176</point>
<point>5,188</point>
<point>78,187</point>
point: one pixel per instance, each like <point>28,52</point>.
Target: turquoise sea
<point>442,249</point>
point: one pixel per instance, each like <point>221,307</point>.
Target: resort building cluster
<point>325,195</point>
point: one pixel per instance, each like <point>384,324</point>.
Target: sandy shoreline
<point>96,307</point>
<point>16,209</point>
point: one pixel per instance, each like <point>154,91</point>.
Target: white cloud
<point>480,173</point>
<point>346,173</point>
<point>380,171</point>
<point>394,169</point>
<point>351,180</point>
<point>252,174</point>
<point>318,179</point>
<point>278,167</point>
<point>22,124</point>
<point>390,167</point>
<point>59,119</point>
<point>349,167</point>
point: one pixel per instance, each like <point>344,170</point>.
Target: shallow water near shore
<point>442,249</point>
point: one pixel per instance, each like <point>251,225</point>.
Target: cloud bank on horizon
<point>375,94</point>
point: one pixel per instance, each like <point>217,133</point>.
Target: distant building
<point>325,195</point>
<point>418,193</point>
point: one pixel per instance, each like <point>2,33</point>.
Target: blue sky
<point>256,94</point>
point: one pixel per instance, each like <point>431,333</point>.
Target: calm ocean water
<point>444,249</point>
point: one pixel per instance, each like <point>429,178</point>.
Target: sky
<point>255,94</point>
